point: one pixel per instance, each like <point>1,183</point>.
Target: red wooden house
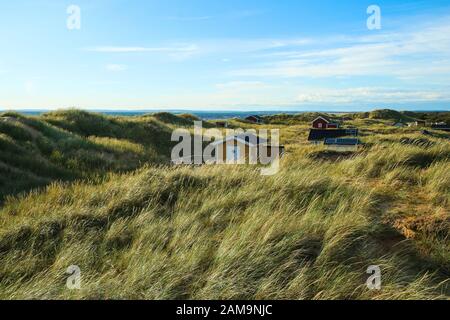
<point>324,123</point>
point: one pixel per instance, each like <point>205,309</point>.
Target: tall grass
<point>225,232</point>
<point>207,233</point>
<point>69,145</point>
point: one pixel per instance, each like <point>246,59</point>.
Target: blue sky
<point>225,55</point>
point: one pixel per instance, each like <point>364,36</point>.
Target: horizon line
<point>101,110</point>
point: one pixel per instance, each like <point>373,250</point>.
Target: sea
<point>202,114</point>
<point>205,115</point>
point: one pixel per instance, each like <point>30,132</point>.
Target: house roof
<point>326,119</point>
<point>320,134</point>
<point>342,141</point>
<point>246,138</point>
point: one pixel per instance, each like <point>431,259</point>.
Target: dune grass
<point>226,232</point>
<point>70,145</point>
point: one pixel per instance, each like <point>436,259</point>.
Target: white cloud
<point>369,95</point>
<point>176,52</point>
<point>238,94</point>
<point>415,57</point>
<point>403,54</point>
<point>210,47</point>
<point>118,49</point>
<point>242,85</point>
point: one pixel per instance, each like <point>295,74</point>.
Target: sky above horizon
<point>225,55</point>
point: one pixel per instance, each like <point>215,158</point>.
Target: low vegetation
<point>94,191</point>
<point>72,145</point>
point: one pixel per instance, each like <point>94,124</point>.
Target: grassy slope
<point>308,232</point>
<point>69,145</point>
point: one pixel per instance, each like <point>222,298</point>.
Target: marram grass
<point>226,232</point>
